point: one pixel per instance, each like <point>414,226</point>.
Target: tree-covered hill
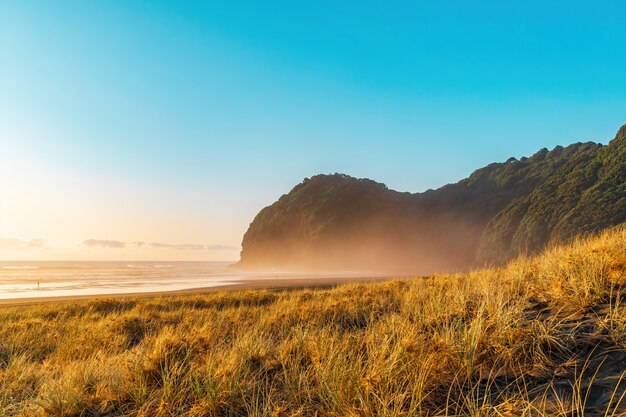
<point>500,211</point>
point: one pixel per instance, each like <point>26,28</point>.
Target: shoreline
<point>273,284</point>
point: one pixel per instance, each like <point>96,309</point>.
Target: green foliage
<point>498,212</point>
<point>585,195</point>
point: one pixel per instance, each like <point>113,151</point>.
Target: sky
<point>156,130</point>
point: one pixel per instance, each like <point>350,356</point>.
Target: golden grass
<point>543,336</point>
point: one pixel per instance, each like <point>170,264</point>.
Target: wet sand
<point>248,284</point>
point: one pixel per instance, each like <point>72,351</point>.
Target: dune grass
<point>543,336</point>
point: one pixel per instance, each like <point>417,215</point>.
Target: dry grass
<point>543,336</point>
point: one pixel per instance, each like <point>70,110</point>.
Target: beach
<point>43,282</point>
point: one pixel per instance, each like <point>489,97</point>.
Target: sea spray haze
<point>497,213</point>
<point>43,279</point>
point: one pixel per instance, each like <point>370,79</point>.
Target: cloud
<point>95,243</point>
<point>221,247</point>
<point>35,243</point>
<point>180,246</point>
<point>12,243</point>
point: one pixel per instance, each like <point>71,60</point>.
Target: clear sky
<point>174,122</point>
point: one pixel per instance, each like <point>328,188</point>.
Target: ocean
<point>28,279</point>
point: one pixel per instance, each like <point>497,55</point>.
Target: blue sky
<point>178,121</point>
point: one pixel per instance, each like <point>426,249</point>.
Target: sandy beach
<point>248,284</point>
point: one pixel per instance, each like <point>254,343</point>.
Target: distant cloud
<point>221,247</point>
<point>95,243</point>
<point>35,243</point>
<point>12,243</point>
<point>180,246</point>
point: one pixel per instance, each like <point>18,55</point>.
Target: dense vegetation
<point>541,337</point>
<point>500,211</point>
